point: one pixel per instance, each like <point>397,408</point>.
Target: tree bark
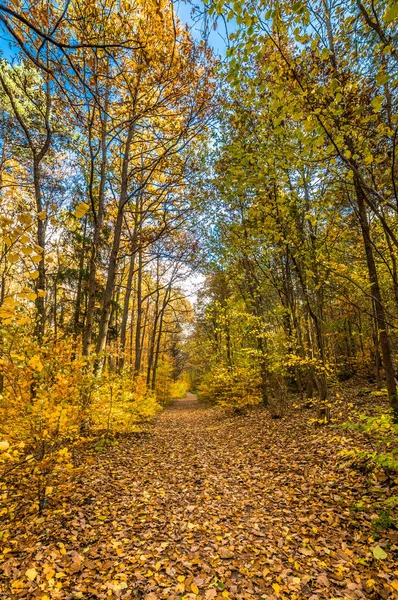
<point>388,364</point>
<point>98,223</point>
<point>137,347</point>
<point>110,282</point>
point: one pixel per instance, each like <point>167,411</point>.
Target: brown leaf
<point>225,552</point>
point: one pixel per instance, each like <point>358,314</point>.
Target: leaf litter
<point>208,506</point>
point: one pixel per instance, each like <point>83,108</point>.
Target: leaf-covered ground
<point>209,505</point>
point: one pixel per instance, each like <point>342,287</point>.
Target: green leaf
<point>391,13</point>
<point>382,78</point>
<point>325,54</point>
<point>377,103</point>
<point>379,553</point>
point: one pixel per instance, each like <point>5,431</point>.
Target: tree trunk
<point>98,222</point>
<point>78,301</point>
<point>125,313</point>
<point>110,282</point>
<point>137,348</point>
<point>384,339</point>
<point>159,336</point>
<point>40,282</point>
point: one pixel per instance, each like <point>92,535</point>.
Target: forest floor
<point>210,505</point>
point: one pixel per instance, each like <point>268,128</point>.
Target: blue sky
<point>183,9</point>
<point>216,38</point>
<point>6,51</point>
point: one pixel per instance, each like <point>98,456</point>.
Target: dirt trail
<point>209,505</point>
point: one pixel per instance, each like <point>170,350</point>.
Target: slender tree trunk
<point>110,282</point>
<point>3,276</point>
<point>137,349</point>
<point>151,346</point>
<point>2,296</point>
<point>384,339</point>
<point>98,223</point>
<point>78,301</point>
<point>55,306</point>
<point>144,329</point>
<point>125,313</point>
<point>40,282</point>
<point>132,331</point>
<point>159,336</point>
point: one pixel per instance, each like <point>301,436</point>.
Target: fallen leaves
<point>207,507</point>
<point>31,574</point>
<point>379,553</point>
<point>276,587</point>
<point>225,552</point>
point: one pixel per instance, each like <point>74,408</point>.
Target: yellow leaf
<point>194,588</point>
<point>181,578</point>
<point>4,445</point>
<point>34,274</point>
<point>25,218</point>
<point>31,574</point>
<point>276,587</point>
<point>379,553</point>
<point>12,258</point>
<point>17,584</point>
<point>81,210</point>
<point>50,574</point>
<point>6,312</point>
<point>35,363</point>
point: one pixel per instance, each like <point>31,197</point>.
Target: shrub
<point>382,435</point>
<point>180,387</point>
<point>237,388</point>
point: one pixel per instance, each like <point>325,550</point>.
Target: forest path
<point>210,505</point>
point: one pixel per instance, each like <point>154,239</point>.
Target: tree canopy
<point>135,162</point>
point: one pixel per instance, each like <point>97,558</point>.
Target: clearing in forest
<point>210,505</point>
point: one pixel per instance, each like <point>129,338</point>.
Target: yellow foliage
<point>236,388</point>
<point>119,404</point>
<point>180,387</point>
